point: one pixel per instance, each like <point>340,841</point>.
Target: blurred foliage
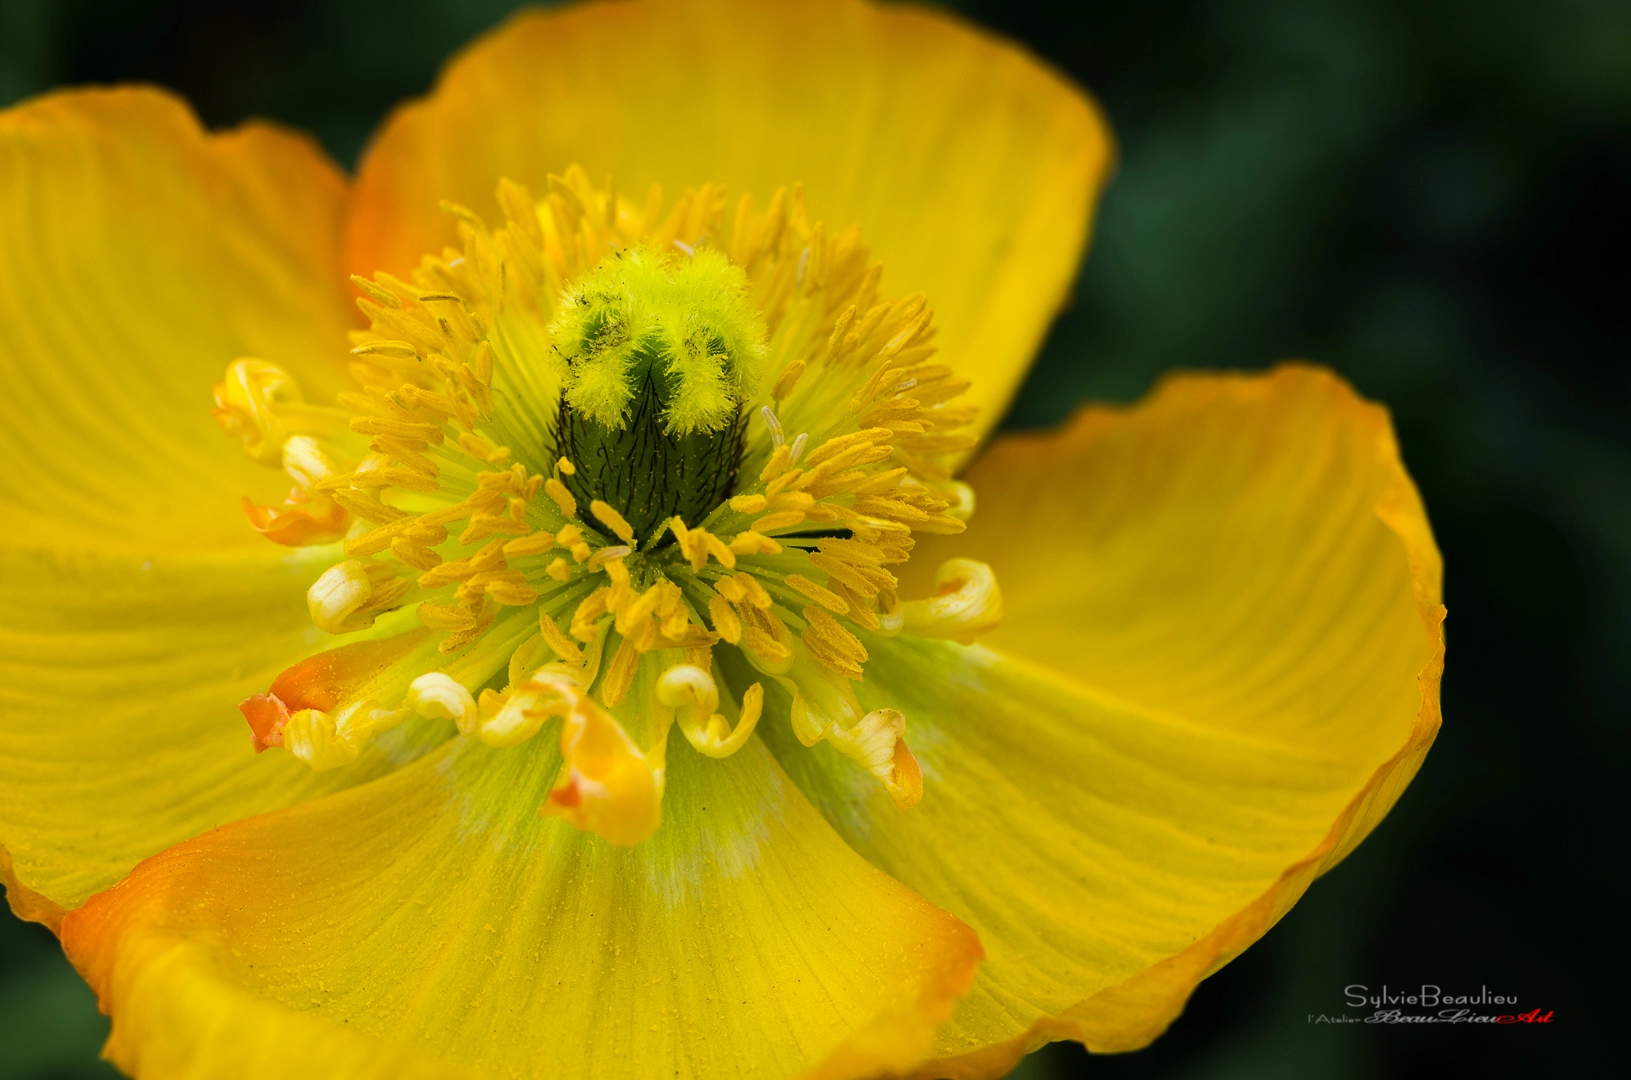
<point>1431,196</point>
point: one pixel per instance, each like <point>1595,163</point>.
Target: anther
<point>777,438</point>
<point>968,602</point>
<point>336,597</point>
<point>440,697</point>
<point>876,744</point>
<point>608,516</point>
<point>609,787</point>
<point>692,693</point>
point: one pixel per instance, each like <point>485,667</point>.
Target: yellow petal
<point>434,924</point>
<point>971,168</point>
<point>119,685</point>
<point>1237,594</point>
<point>139,256</point>
<point>1230,525</point>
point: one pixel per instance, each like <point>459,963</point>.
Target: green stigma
<point>661,351</point>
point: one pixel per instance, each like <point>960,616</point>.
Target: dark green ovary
<point>647,474</point>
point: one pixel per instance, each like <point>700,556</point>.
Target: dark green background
<point>1432,197</point>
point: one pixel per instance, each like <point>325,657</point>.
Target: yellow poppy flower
<point>643,690</point>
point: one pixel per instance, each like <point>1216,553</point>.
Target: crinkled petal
<point>434,924</point>
<point>1218,670</point>
<point>138,257</point>
<point>971,168</point>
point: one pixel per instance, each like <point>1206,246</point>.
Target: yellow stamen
<point>588,612</point>
<point>609,787</point>
<point>527,546</point>
<point>313,736</point>
<point>620,673</point>
<point>438,696</point>
<point>261,404</point>
<point>562,497</point>
<point>877,744</point>
<point>564,647</point>
<point>767,648</point>
<point>414,555</point>
<point>781,519</point>
<point>691,691</point>
<point>834,647</point>
<point>753,543</point>
<point>825,597</point>
<point>725,620</point>
<point>609,517</point>
<point>518,714</point>
<point>787,380</point>
<point>754,592</point>
<point>641,609</point>
<point>719,550</point>
<point>777,463</point>
<point>967,603</point>
<point>349,595</point>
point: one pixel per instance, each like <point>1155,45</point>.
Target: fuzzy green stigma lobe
<point>660,351</point>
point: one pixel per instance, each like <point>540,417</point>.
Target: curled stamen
<point>963,508</point>
<point>336,597</point>
<point>692,692</point>
<point>609,786</point>
<point>968,602</point>
<point>438,696</point>
<point>249,403</point>
<point>876,744</point>
<point>514,717</point>
<point>321,740</point>
<point>825,708</point>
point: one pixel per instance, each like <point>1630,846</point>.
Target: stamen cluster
<point>461,515</point>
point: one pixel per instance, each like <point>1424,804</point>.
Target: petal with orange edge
<point>119,687</point>
<point>1218,669</point>
<point>971,168</point>
<point>434,924</point>
<point>138,257</point>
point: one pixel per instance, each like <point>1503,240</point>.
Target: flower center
<point>594,454</point>
<point>661,352</point>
